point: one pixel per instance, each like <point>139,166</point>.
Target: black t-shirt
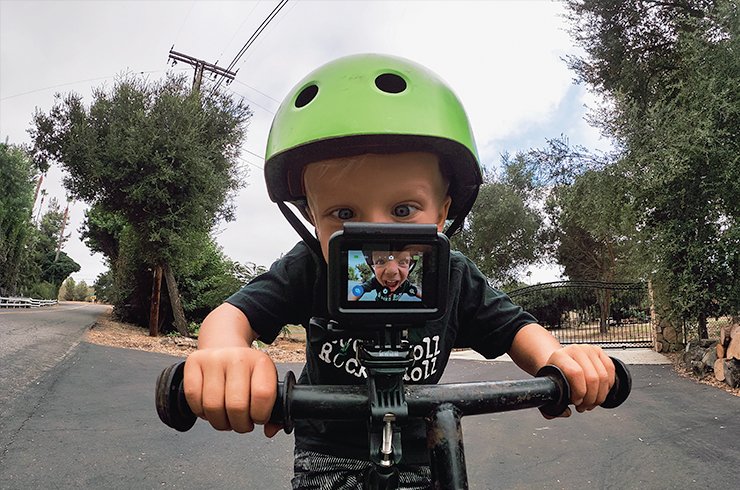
<point>294,291</point>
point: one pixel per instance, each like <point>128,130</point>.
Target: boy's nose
<point>392,268</point>
<point>376,216</point>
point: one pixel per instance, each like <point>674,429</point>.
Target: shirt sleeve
<point>283,295</point>
<point>488,320</point>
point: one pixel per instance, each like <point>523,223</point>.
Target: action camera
<point>388,274</point>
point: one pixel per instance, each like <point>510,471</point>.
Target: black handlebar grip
<point>618,393</point>
<point>622,387</point>
<point>555,407</point>
<point>174,411</point>
<point>172,407</point>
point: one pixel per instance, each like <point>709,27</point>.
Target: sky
<point>504,59</point>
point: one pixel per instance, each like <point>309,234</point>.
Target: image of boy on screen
<point>393,277</point>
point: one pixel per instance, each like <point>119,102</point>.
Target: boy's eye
<point>403,210</point>
<point>343,213</point>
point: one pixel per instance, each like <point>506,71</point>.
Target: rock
<point>180,341</point>
<point>669,333</point>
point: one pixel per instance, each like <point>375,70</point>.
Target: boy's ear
<point>444,208</point>
<point>308,215</point>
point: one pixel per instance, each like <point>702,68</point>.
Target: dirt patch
<point>286,348</point>
<point>106,331</point>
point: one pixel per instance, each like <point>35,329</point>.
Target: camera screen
<point>386,275</point>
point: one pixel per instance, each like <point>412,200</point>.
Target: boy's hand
<point>589,372</point>
<point>233,388</point>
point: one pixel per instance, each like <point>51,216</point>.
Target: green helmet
<point>371,103</point>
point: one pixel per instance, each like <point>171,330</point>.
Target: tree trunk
<point>154,302</point>
<point>720,351</point>
<point>605,297</point>
<point>719,369</point>
<point>733,348</point>
<point>725,334</point>
<point>180,323</point>
<point>703,334</point>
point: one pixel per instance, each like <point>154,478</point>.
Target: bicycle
<point>442,406</point>
<point>385,402</point>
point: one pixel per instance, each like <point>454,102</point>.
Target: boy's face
<point>395,188</point>
<point>391,269</point>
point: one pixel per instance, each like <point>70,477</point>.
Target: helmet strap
<point>297,224</point>
<point>460,218</point>
<point>455,225</point>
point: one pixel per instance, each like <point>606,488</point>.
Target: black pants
<point>316,471</point>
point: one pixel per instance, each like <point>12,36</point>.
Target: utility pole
<point>200,66</point>
<point>41,206</point>
<point>61,231</point>
<point>38,188</point>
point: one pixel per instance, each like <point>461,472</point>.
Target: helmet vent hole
<point>306,95</point>
<point>390,83</point>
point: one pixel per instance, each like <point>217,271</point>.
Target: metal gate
<point>611,314</point>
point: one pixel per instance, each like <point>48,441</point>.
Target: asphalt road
<point>89,422</point>
<point>34,340</point>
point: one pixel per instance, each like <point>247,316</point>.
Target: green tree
<point>81,291</point>
<point>103,286</point>
<point>593,232</point>
<point>207,278</point>
<point>67,291</point>
<point>17,174</point>
<point>670,73</point>
<point>155,154</point>
<point>53,268</point>
<point>502,232</point>
<point>352,274</point>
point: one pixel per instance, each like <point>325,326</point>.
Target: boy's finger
<point>566,413</point>
<point>263,390</point>
<point>193,386</point>
<point>591,379</point>
<point>272,429</point>
<point>597,377</point>
<point>236,398</point>
<point>574,374</point>
<point>213,398</point>
<point>608,380</point>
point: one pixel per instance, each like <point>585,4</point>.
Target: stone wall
<point>668,337</point>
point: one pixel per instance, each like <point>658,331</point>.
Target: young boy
<point>390,279</point>
<point>337,146</point>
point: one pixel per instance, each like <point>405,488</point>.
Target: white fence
<point>14,302</point>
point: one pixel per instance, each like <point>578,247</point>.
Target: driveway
<point>90,423</point>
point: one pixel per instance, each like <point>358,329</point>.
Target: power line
<point>252,38</point>
<point>282,18</point>
<point>250,163</point>
<point>187,16</point>
<point>259,92</point>
<point>252,102</point>
<point>253,153</point>
<point>73,83</point>
<point>246,18</point>
<point>257,32</point>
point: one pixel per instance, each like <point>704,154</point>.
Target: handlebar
<point>549,391</point>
